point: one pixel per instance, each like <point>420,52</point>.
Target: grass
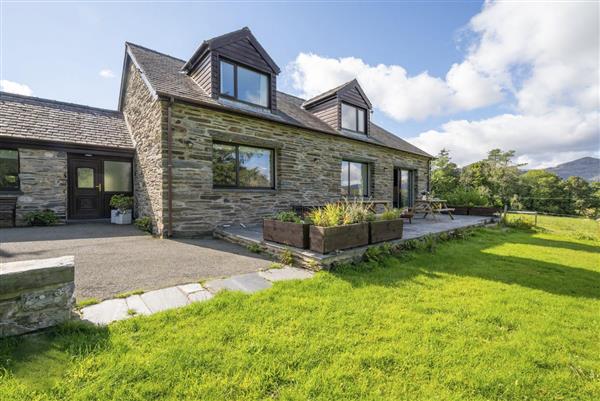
<point>129,293</point>
<point>87,302</point>
<point>505,314</point>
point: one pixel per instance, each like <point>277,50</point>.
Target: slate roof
<point>28,117</point>
<point>163,73</point>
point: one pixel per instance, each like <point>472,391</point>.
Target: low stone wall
<point>35,294</point>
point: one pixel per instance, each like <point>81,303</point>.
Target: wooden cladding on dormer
<point>239,48</point>
<point>328,105</point>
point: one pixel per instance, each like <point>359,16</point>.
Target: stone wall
<point>308,167</point>
<point>144,117</point>
<point>35,294</point>
<point>43,178</point>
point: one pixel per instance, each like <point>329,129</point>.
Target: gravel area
<point>111,259</point>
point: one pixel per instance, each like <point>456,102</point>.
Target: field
<point>503,314</point>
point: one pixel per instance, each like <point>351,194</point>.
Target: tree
<point>444,175</point>
<point>541,190</point>
<point>578,195</point>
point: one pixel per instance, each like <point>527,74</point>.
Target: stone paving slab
<point>163,299</point>
<point>190,288</point>
<point>136,303</point>
<point>106,312</point>
<point>286,273</point>
<point>181,295</point>
<point>199,296</point>
<point>247,283</point>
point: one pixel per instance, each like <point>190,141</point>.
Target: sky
<point>462,75</point>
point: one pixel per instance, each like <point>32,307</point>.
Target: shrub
<point>376,253</point>
<point>288,217</point>
<point>121,202</point>
<point>286,257</point>
<point>254,248</point>
<point>144,224</point>
<point>466,197</point>
<point>390,214</point>
<point>341,213</point>
<point>41,218</point>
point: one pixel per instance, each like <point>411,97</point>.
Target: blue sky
<point>58,49</point>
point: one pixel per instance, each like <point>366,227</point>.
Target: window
<point>240,166</point>
<point>353,118</point>
<point>9,170</point>
<point>354,179</point>
<point>85,177</point>
<point>244,84</point>
<point>117,176</point>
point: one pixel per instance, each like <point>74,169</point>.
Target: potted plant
<point>386,226</point>
<point>121,209</point>
<point>339,226</point>
<point>286,228</point>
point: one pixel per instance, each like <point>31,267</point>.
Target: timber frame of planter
<point>288,233</point>
<point>329,239</point>
<point>385,230</point>
<point>486,211</point>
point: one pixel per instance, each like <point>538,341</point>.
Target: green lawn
<point>505,314</point>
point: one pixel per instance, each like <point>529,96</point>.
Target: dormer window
<point>244,84</point>
<point>353,118</point>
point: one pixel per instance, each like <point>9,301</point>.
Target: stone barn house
<point>200,143</point>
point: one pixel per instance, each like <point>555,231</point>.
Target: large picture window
<point>240,166</point>
<point>9,170</point>
<point>353,118</point>
<point>354,179</point>
<point>244,84</point>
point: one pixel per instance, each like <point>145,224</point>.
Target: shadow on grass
<point>469,259</point>
<point>41,358</point>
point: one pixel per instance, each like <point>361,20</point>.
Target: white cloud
<point>392,90</point>
<point>15,87</point>
<point>106,73</point>
<point>540,59</point>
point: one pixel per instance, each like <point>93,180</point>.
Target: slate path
<point>174,297</point>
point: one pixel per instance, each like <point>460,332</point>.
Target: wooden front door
<point>85,188</point>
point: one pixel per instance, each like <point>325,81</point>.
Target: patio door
<point>403,187</point>
<point>85,188</point>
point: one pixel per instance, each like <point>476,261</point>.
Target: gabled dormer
<point>234,67</point>
<point>344,108</point>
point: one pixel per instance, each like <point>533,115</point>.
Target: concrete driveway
<point>111,259</point>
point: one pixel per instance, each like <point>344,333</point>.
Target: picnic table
<point>432,206</point>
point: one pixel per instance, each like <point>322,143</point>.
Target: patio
<point>112,259</point>
<point>419,228</point>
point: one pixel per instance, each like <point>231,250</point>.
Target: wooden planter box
<point>385,230</point>
<point>294,234</point>
<point>483,211</point>
<point>328,239</point>
<point>461,210</point>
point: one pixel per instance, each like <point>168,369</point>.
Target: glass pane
<point>253,87</point>
<point>344,176</point>
<point>9,169</point>
<point>223,164</point>
<point>348,117</point>
<point>227,79</point>
<point>404,186</point>
<point>85,177</point>
<point>358,179</point>
<point>255,167</point>
<point>117,176</point>
<point>361,120</point>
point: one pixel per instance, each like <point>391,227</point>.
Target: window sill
<point>220,189</point>
<point>11,193</point>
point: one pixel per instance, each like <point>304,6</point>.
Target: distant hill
<point>587,168</point>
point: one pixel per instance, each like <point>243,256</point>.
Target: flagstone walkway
<point>174,297</point>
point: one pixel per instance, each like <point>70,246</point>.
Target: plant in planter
<point>286,228</point>
<point>340,225</point>
<point>386,227</point>
<point>121,209</point>
<point>467,201</point>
